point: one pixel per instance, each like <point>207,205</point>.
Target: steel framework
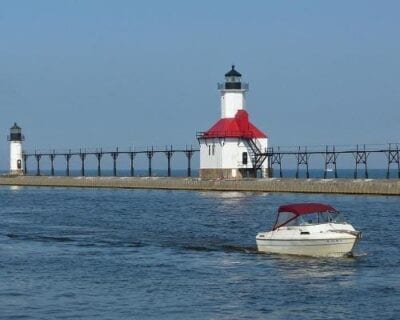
<point>274,156</point>
<point>82,154</point>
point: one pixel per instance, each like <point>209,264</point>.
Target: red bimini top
<point>305,208</point>
<point>237,127</point>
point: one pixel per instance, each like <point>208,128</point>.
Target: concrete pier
<point>333,186</point>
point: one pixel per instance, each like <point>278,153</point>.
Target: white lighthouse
<point>16,160</point>
<point>233,147</point>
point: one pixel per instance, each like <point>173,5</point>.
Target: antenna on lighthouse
<point>16,161</point>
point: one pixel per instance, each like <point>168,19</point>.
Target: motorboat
<point>309,229</point>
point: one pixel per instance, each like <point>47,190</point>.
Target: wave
<point>78,241</point>
<point>229,248</point>
<point>39,238</point>
<point>103,243</point>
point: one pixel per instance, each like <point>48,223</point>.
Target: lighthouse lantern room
<point>233,147</point>
<point>16,160</point>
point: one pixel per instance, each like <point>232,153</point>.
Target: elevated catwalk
<point>277,157</point>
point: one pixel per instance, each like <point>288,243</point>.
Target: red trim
<point>237,127</point>
<point>305,208</point>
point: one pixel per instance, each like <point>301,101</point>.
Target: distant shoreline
<point>328,186</point>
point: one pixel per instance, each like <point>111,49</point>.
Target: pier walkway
<point>333,186</point>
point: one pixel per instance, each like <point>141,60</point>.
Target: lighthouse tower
<point>233,147</point>
<point>16,161</point>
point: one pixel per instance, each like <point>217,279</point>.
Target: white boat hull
<point>311,247</point>
<point>319,240</point>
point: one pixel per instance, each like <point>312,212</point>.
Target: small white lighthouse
<point>233,147</point>
<point>16,160</point>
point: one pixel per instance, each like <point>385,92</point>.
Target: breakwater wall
<point>334,186</point>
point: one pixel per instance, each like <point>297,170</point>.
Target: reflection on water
<point>229,198</point>
<point>15,188</point>
<point>314,267</point>
<point>230,194</point>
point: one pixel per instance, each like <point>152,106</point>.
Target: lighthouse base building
<point>233,147</point>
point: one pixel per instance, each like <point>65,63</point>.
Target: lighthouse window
<point>209,150</point>
<point>244,157</point>
<point>213,149</point>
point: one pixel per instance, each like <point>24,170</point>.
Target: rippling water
<point>138,254</point>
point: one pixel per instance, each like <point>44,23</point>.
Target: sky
<point>100,73</point>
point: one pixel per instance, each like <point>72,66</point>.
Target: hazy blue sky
<point>107,73</point>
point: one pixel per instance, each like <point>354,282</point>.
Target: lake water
<point>144,254</point>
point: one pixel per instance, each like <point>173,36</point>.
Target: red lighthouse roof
<point>237,127</point>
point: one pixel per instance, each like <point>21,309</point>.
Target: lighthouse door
<point>19,164</point>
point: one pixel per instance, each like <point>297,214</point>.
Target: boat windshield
<point>291,219</point>
<point>285,219</point>
<point>318,218</point>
